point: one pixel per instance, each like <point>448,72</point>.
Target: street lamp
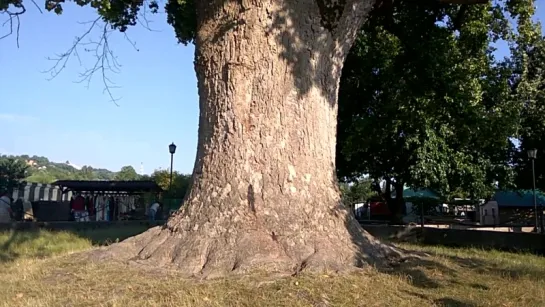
<point>532,155</point>
<point>172,150</point>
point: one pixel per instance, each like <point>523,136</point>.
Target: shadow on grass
<point>443,269</point>
<point>451,302</point>
<point>445,301</point>
<point>502,270</point>
<point>415,269</point>
<point>107,236</point>
<point>39,243</point>
<point>15,238</point>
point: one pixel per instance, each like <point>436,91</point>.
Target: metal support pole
<point>534,190</point>
<point>171,163</point>
<point>541,218</point>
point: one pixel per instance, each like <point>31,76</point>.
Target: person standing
<point>5,209</point>
<point>78,208</point>
<point>17,210</point>
<point>153,211</point>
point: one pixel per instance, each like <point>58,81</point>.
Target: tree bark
<point>264,193</point>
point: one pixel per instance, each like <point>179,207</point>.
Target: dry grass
<point>38,269</point>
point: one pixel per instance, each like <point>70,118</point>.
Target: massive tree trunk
<point>264,192</point>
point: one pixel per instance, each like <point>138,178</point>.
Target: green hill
<point>41,170</point>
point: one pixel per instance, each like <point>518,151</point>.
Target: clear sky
<point>64,120</point>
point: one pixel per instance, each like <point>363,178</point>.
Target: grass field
<point>40,269</point>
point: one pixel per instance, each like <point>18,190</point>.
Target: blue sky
<point>64,120</point>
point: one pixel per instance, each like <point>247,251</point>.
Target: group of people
<point>82,209</point>
<point>7,213</point>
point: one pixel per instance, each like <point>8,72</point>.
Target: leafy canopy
<point>528,85</point>
<point>424,102</point>
<point>181,14</point>
<point>119,14</point>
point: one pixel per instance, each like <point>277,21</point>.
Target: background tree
<point>264,192</point>
<point>12,172</point>
<point>43,177</point>
<point>127,173</point>
<point>528,84</point>
<point>180,183</point>
<point>356,192</point>
<point>437,114</point>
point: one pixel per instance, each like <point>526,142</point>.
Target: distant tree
<point>180,182</point>
<point>102,174</point>
<point>45,172</point>
<point>357,192</point>
<point>41,176</point>
<point>145,177</point>
<point>41,161</point>
<point>12,172</point>
<point>127,173</point>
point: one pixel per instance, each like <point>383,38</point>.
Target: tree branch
<point>14,16</point>
<point>143,16</point>
<point>105,60</point>
<point>354,14</point>
<point>11,17</point>
<point>459,19</point>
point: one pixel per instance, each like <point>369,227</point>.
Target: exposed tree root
<point>213,250</point>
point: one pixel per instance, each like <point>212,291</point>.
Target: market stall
<point>109,200</point>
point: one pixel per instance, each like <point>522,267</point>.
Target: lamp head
<point>532,153</point>
<point>172,148</point>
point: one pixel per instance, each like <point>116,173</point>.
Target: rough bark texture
<point>265,193</point>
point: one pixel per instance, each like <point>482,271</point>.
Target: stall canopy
<point>129,187</point>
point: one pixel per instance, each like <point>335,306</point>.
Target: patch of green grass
<point>520,264</point>
<point>43,243</point>
<point>39,244</point>
<point>448,277</point>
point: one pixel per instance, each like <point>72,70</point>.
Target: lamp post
<point>172,150</point>
<point>532,155</point>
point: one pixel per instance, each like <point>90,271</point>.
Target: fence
<point>511,241</point>
<point>418,210</point>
